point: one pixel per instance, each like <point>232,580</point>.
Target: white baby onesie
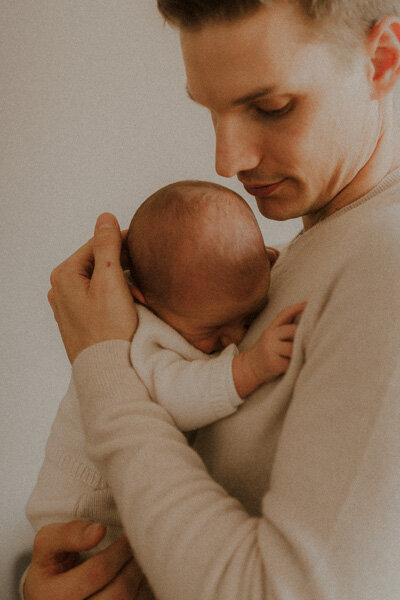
<point>195,388</point>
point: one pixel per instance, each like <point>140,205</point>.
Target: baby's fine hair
<point>195,229</point>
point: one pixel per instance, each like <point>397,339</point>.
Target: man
<point>301,100</point>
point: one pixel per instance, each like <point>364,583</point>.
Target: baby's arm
<point>194,391</point>
<point>270,355</point>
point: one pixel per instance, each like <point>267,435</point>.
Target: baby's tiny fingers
<point>288,314</point>
<point>285,349</point>
<point>287,332</point>
<point>281,364</point>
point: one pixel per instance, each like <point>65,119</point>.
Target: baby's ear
<point>137,294</point>
<point>273,255</point>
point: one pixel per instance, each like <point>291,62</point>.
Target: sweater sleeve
<point>195,392</point>
<point>330,525</point>
<point>195,388</point>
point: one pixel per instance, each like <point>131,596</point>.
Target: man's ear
<point>137,294</point>
<point>384,52</point>
<point>273,255</point>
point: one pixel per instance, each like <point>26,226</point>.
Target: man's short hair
<point>356,16</point>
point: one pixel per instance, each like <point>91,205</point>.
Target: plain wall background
<point>93,117</point>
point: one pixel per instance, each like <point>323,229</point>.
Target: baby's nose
<point>232,336</point>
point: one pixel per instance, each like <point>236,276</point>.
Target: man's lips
<point>262,191</point>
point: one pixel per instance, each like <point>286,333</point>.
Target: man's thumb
<point>107,242</point>
<point>75,536</point>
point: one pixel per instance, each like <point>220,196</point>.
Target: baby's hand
<point>270,355</point>
<point>272,352</point>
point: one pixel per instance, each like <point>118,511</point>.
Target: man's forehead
<point>245,58</point>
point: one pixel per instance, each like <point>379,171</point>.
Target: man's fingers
<point>50,298</point>
<point>96,572</point>
<point>125,585</point>
<point>54,546</point>
<point>79,264</point>
<point>82,257</point>
<point>288,314</point>
<point>107,242</point>
<point>59,538</point>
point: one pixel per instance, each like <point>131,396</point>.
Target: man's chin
<point>276,210</point>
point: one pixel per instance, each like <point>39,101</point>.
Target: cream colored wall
<point>94,117</point>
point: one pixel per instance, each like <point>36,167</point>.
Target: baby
<point>199,263</point>
<point>200,276</point>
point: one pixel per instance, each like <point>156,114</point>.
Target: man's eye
<point>276,113</point>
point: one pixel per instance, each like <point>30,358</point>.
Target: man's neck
<point>384,159</point>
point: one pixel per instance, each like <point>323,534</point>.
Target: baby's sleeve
<point>69,485</point>
<point>195,388</point>
<point>194,392</point>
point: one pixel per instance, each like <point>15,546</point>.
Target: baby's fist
<point>273,350</point>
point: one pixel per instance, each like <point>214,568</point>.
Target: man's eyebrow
<point>243,99</point>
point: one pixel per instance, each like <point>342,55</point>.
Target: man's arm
<point>319,530</point>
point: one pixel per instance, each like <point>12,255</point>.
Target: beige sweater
<point>298,497</point>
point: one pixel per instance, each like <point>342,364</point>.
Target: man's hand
<point>55,572</point>
<point>89,295</point>
<point>270,355</point>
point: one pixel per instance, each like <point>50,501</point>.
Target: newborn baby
<point>199,264</point>
<point>200,276</point>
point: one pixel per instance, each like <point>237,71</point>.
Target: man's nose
<point>235,151</point>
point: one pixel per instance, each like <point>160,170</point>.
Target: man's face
<point>291,120</point>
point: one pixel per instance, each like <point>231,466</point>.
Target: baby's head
<point>198,261</point>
